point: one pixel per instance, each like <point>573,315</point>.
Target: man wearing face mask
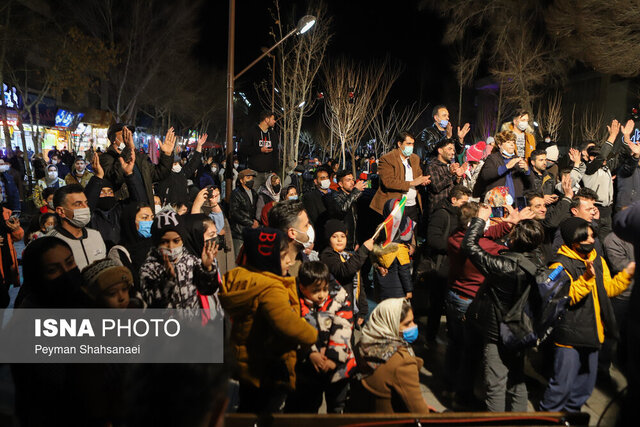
<point>121,139</point>
<point>400,174</point>
<point>174,188</point>
<point>525,140</point>
<point>441,129</point>
<point>315,203</point>
<point>342,204</point>
<point>79,174</point>
<point>73,210</point>
<point>290,217</point>
<point>242,207</point>
<point>105,207</point>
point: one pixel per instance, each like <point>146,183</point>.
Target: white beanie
<point>552,153</point>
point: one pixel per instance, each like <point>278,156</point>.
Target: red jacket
<point>464,277</point>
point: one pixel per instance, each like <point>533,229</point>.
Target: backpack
<point>542,303</point>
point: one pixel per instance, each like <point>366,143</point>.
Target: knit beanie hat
<point>333,226</point>
<point>552,152</point>
<point>475,153</point>
<point>262,248</point>
<point>101,274</point>
<point>568,228</point>
<point>166,221</point>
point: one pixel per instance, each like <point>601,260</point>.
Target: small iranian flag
<point>392,223</point>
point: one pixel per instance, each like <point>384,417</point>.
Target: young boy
<point>266,327</point>
<point>108,284</point>
<point>345,266</point>
<point>326,367</point>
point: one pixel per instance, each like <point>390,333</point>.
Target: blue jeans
<point>460,360</point>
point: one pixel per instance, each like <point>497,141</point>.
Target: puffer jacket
<point>266,326</point>
<point>241,210</point>
<point>502,275</point>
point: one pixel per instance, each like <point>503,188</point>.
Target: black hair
<point>444,142</point>
<point>586,144</point>
<point>342,173</point>
<point>48,192</point>
<point>115,128</point>
<point>519,113</point>
<point>44,217</point>
<point>532,194</point>
<point>593,151</point>
<point>284,215</point>
<point>437,108</point>
<point>286,190</point>
<point>401,136</point>
<point>536,153</point>
<point>583,194</point>
<point>459,191</point>
<point>61,193</point>
<point>467,211</point>
<point>265,114</point>
<point>581,233</point>
<point>406,307</point>
<point>526,236</point>
<point>313,272</point>
<point>79,158</point>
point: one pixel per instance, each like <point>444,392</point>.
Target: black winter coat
<point>344,273</point>
<point>442,223</point>
<point>502,275</point>
<point>174,188</point>
<point>343,206</point>
<point>241,210</point>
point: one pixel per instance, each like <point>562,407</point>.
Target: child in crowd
<point>326,367</point>
<point>392,264</point>
<point>108,284</point>
<point>266,327</point>
<point>46,223</point>
<point>345,266</point>
<point>172,277</point>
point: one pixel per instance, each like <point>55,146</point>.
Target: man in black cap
<point>121,138</point>
<point>242,207</point>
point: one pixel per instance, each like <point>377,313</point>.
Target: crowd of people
<point>322,303</point>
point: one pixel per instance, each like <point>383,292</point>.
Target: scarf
<point>381,334</point>
<point>275,196</point>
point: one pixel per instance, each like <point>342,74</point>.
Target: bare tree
<point>593,125</point>
<point>384,127</point>
<point>298,61</point>
<point>356,94</point>
<point>550,118</point>
<point>466,66</point>
<point>326,141</point>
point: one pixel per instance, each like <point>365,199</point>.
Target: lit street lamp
<point>304,24</point>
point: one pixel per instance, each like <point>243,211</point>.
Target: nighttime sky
<point>362,30</point>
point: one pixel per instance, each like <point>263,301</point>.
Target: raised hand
<point>464,131</point>
<point>201,141</point>
<point>127,137</point>
<point>613,129</point>
<point>127,165</point>
<point>567,186</point>
<point>449,130</point>
<point>209,253</point>
<point>97,167</point>
<point>527,213</point>
<point>628,128</point>
<point>633,147</point>
<point>169,142</point>
<point>575,157</point>
<point>359,185</point>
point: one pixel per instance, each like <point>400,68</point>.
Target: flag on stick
<point>392,223</point>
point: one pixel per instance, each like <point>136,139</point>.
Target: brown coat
<point>266,326</point>
<point>395,386</point>
<point>392,182</point>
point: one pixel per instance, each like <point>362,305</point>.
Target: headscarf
<point>194,237</point>
<point>381,334</point>
<point>269,187</point>
<point>128,230</point>
<point>46,174</point>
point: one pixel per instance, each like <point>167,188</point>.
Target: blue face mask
<point>407,151</point>
<point>444,123</point>
<point>294,197</point>
<point>410,334</point>
<point>144,229</point>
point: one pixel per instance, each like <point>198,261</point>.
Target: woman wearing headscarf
<point>50,180</point>
<point>269,192</point>
<point>389,367</point>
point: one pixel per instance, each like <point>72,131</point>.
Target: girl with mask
<point>268,193</point>
<point>290,193</point>
<point>50,180</point>
<point>46,223</point>
<point>171,276</point>
<point>135,238</point>
<point>503,168</point>
<point>387,361</point>
<point>579,335</point>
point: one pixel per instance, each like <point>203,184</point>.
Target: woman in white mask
<point>504,168</point>
<point>50,180</point>
<point>171,277</point>
<point>521,126</point>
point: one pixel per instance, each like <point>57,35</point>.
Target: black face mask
<point>585,249</point>
<point>249,184</point>
<point>65,290</point>
<point>106,203</point>
<point>276,188</point>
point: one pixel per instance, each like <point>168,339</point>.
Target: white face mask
<point>311,236</point>
<point>325,184</point>
<point>523,126</point>
<point>173,254</point>
<point>214,170</point>
<point>235,165</point>
<point>176,168</point>
<point>4,168</point>
<point>81,217</point>
<point>157,208</point>
<point>52,175</point>
<point>121,146</point>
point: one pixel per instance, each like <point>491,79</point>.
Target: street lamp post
<point>304,24</point>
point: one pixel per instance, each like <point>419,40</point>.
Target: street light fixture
<point>304,24</point>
